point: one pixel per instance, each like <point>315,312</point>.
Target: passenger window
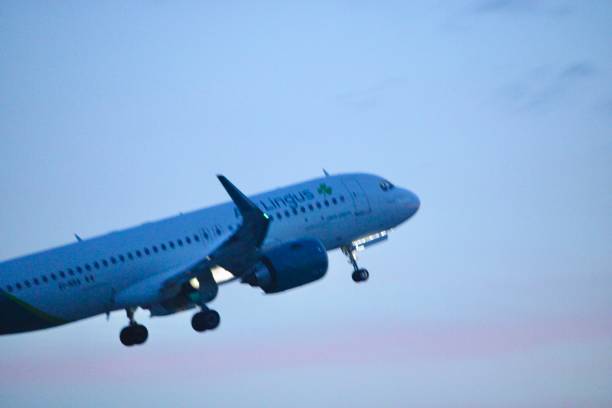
<point>217,230</point>
<point>326,203</point>
<point>96,265</point>
<point>122,258</point>
<point>341,198</point>
<point>105,263</point>
<point>130,256</point>
<point>334,201</point>
<point>295,211</point>
<point>196,238</point>
<point>78,268</point>
<point>302,209</point>
<point>18,286</point>
<point>138,254</point>
<point>155,249</point>
<point>287,214</point>
<point>62,274</point>
<point>27,283</point>
<point>318,205</point>
<point>279,216</point>
<point>87,267</point>
<point>163,247</point>
<point>206,236</point>
<point>113,260</point>
<point>36,282</point>
<point>9,288</point>
<point>53,276</point>
<point>45,279</point>
<point>171,244</point>
<point>310,207</point>
<point>147,252</point>
<point>180,242</point>
<point>188,240</point>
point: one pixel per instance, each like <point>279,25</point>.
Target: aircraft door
<point>359,197</point>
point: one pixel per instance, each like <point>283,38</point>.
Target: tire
<point>198,322</point>
<point>360,275</point>
<point>141,334</point>
<point>126,337</point>
<point>212,319</point>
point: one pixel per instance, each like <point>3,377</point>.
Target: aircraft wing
<point>237,252</point>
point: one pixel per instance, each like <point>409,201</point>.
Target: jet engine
<point>289,265</point>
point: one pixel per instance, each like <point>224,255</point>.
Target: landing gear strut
<point>207,319</point>
<point>134,333</point>
<point>359,274</point>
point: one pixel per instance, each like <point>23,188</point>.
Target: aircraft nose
<point>414,203</point>
<point>409,202</point>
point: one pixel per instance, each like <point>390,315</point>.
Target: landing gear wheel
<point>141,333</point>
<point>134,334</point>
<point>360,275</point>
<point>205,320</point>
<point>212,319</point>
<point>126,336</point>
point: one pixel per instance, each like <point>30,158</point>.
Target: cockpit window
<point>386,185</point>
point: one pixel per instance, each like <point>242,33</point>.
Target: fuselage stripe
<point>37,312</point>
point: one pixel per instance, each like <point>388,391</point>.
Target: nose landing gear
<point>359,274</point>
<point>134,333</point>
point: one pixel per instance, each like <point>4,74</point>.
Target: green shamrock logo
<point>324,189</point>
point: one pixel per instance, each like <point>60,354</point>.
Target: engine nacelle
<point>289,265</point>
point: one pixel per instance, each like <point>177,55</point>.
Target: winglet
<point>244,204</point>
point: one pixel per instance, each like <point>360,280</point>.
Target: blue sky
<point>497,113</point>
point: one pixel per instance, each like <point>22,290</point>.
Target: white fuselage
<point>80,279</point>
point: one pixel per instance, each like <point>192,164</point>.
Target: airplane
<point>274,241</point>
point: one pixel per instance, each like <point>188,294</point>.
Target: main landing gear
<point>134,333</point>
<point>207,319</point>
<point>359,274</point>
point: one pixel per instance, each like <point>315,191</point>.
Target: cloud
<point>368,98</point>
<point>578,70</point>
<point>606,107</point>
<point>519,6</point>
<point>425,342</point>
<point>494,6</point>
<point>543,85</point>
